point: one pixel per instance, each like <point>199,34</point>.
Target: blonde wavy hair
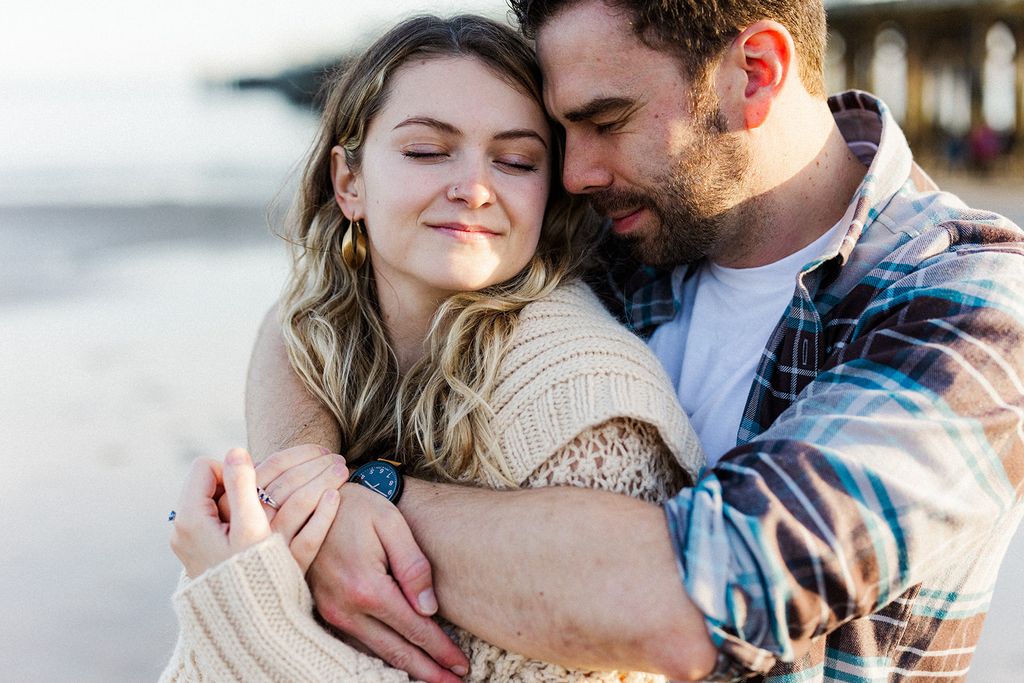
<point>436,417</point>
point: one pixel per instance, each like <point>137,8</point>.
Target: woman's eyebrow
<point>445,127</point>
<point>442,126</point>
<point>520,133</point>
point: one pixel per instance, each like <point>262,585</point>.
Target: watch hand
<point>372,486</point>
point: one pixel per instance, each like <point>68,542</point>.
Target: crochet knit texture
<point>579,402</point>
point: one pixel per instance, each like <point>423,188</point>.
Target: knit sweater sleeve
<point>622,455</point>
<point>573,368</point>
<point>250,618</point>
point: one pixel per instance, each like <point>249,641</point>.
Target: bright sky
<point>61,40</point>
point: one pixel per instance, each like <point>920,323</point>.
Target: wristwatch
<point>381,475</point>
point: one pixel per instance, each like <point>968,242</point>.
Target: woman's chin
<point>457,279</point>
<point>464,285</point>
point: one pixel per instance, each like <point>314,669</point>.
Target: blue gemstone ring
<point>171,516</point>
<point>265,498</point>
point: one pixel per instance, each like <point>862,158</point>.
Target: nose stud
<point>453,192</point>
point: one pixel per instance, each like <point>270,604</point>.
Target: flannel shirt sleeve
<point>904,457</point>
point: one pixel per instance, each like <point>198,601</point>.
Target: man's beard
<point>693,203</point>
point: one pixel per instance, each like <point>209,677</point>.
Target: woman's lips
<point>464,231</point>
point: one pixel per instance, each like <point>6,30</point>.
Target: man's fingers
<point>351,583</point>
<point>278,463</point>
<point>421,631</point>
<point>248,521</point>
<point>408,564</point>
<point>306,543</point>
<point>400,653</point>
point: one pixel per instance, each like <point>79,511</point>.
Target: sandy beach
<point>125,335</point>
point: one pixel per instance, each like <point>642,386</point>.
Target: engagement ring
<point>266,499</point>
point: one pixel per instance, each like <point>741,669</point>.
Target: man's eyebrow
<point>431,123</point>
<point>520,133</point>
<point>597,107</point>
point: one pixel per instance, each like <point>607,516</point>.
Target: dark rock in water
<point>300,84</point>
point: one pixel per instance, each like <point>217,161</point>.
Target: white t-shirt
<point>712,348</point>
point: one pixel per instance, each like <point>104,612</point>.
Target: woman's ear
<point>346,185</point>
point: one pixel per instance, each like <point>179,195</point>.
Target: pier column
<point>1017,28</point>
<point>976,33</point>
<point>917,43</point>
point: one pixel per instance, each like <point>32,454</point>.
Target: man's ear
<point>346,185</point>
<point>764,52</point>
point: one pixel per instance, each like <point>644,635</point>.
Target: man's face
<point>653,157</point>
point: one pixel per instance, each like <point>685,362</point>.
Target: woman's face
<point>453,179</point>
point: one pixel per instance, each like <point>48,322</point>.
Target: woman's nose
<point>473,188</point>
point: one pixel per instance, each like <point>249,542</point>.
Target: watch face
<point>381,477</point>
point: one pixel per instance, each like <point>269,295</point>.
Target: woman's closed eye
<point>510,163</point>
<point>516,164</point>
<point>425,153</point>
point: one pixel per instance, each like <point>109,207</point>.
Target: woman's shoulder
<point>569,332</point>
<point>571,295</point>
<point>570,367</point>
<point>571,312</point>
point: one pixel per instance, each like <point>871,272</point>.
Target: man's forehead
<point>590,22</point>
<point>584,52</point>
<point>590,56</point>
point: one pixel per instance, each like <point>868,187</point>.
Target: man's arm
<point>600,588</point>
<point>904,459</point>
<point>892,481</point>
<point>584,578</point>
<point>279,410</point>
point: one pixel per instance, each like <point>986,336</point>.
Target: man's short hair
<point>698,31</point>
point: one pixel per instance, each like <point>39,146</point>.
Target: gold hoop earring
<point>353,245</point>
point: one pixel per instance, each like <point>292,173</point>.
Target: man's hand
<point>387,612</point>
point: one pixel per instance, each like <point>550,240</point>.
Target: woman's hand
<point>297,480</point>
<point>204,537</point>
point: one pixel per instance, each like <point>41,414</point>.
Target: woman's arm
<point>250,618</point>
<point>247,614</point>
<point>281,413</point>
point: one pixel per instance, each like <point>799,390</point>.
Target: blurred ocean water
<point>111,142</point>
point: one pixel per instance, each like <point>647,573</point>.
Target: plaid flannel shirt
<point>879,471</point>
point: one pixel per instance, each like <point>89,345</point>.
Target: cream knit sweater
<point>579,401</point>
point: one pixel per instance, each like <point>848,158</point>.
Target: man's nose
<point>584,170</point>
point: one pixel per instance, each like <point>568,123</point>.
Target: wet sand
<point>125,336</point>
